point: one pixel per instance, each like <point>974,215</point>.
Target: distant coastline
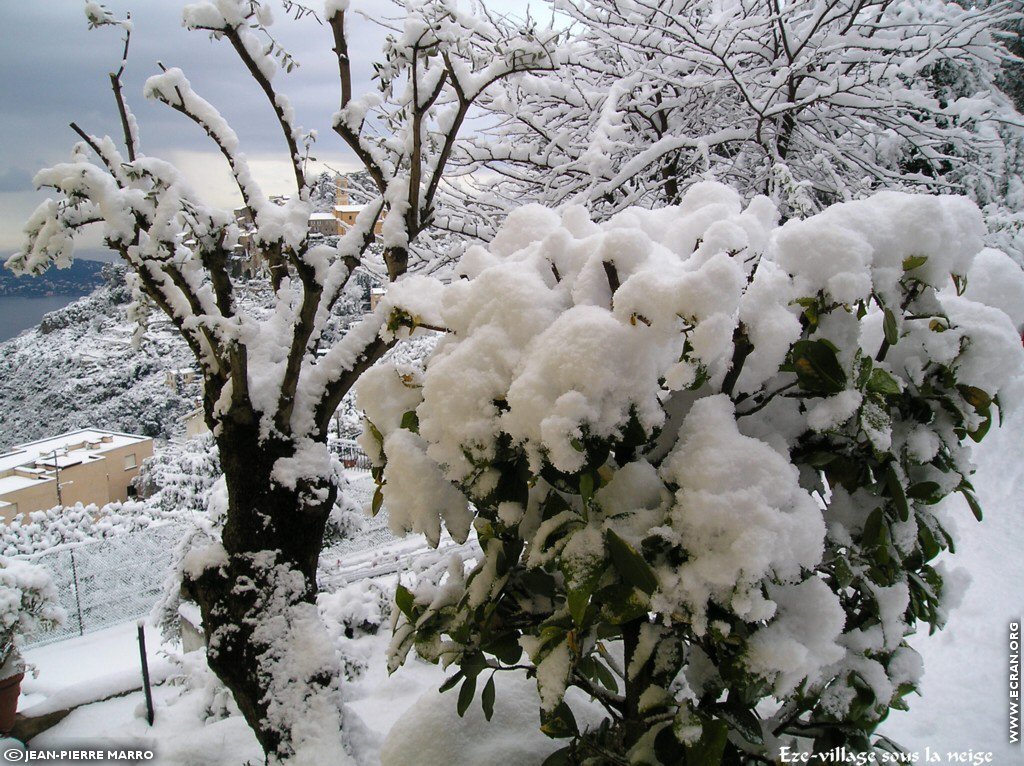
<point>21,312</point>
<point>81,278</point>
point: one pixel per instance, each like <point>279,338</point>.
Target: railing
<point>106,582</point>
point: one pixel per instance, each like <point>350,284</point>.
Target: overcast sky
<point>53,70</point>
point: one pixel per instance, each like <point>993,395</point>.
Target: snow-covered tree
<point>702,454</point>
<point>811,102</point>
<point>268,394</point>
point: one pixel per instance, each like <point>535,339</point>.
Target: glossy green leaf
<point>972,501</point>
<point>892,334</point>
<point>924,490</point>
<point>873,528</point>
<point>881,382</point>
<point>709,749</point>
<point>411,421</point>
<point>451,682</point>
<point>559,723</point>
<point>466,695</point>
<point>405,601</point>
<point>817,367</point>
<point>631,565</point>
<point>578,600</point>
<point>487,698</point>
<point>895,489</point>
<point>586,486</point>
<point>744,721</point>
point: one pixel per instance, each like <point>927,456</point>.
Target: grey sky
<point>54,70</point>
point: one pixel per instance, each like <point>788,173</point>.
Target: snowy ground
<point>964,703</point>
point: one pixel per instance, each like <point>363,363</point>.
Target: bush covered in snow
<point>40,531</point>
<point>179,476</point>
<point>28,604</point>
<point>702,453</point>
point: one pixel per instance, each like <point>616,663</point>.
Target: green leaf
<point>631,565</point>
<point>405,602</point>
<point>979,433</point>
<point>744,721</point>
<point>411,421</point>
<point>929,547</point>
<point>892,334</point>
<point>559,723</point>
<point>378,500</point>
<point>506,648</point>
<point>487,698</point>
<point>914,261</point>
<point>578,600</point>
<point>817,367</point>
<point>473,663</point>
<point>895,489</point>
<point>622,603</point>
<point>466,695</point>
<point>451,682</point>
<point>844,574</point>
<point>972,501</point>
<point>605,677</point>
<point>882,382</point>
<point>709,749</point>
<point>883,553</point>
<point>820,458</point>
<point>873,528</point>
<point>586,486</point>
<point>924,490</point>
<point>558,758</point>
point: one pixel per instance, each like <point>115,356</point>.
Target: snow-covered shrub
<point>179,476</point>
<point>28,604</point>
<point>359,609</point>
<point>702,455</point>
<point>351,612</point>
<point>40,531</point>
<point>346,519</point>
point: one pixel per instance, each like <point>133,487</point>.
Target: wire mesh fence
<point>109,581</point>
<point>119,578</point>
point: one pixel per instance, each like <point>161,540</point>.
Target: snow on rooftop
<point>349,208</point>
<point>321,216</point>
<point>15,483</point>
<point>42,451</point>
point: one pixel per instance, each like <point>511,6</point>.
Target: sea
<point>20,312</point>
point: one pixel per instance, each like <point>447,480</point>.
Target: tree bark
<point>265,640</point>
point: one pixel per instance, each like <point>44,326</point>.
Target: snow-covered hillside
<point>78,369</point>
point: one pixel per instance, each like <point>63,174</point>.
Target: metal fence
<point>119,578</point>
<point>351,455</point>
<point>109,581</point>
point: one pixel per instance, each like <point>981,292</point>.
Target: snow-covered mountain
<point>78,368</point>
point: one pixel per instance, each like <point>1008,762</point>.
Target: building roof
<point>96,440</point>
<point>322,217</point>
<point>14,483</point>
<point>349,208</point>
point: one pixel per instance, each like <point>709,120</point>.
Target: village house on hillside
<point>86,466</point>
<point>249,261</point>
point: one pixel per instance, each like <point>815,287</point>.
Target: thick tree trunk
<point>257,595</point>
